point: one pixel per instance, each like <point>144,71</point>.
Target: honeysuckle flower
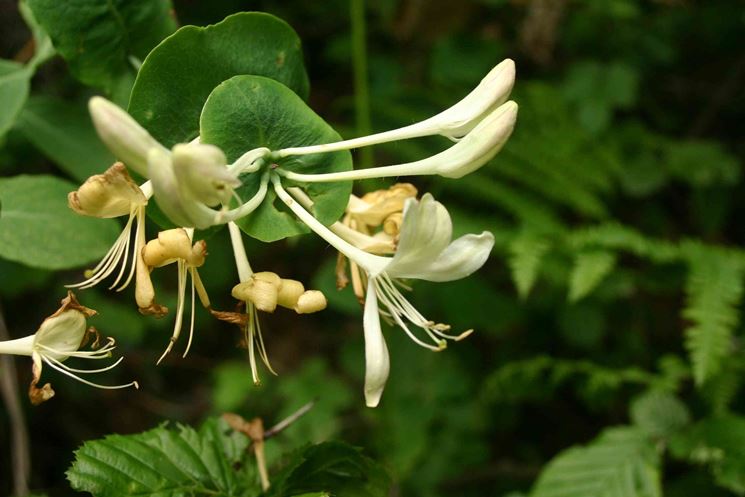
<point>263,291</point>
<point>453,123</point>
<point>60,337</point>
<point>188,180</point>
<point>107,195</point>
<point>175,246</point>
<point>474,150</point>
<point>425,251</point>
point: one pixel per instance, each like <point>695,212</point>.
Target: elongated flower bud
<point>111,194</point>
<point>127,140</point>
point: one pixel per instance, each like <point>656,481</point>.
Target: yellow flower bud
<point>311,301</point>
<point>289,293</point>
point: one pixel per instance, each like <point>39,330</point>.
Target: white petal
<point>480,145</point>
<point>377,362</point>
<point>460,259</point>
<point>201,170</point>
<point>127,140</point>
<point>426,231</point>
<point>62,333</point>
<point>181,210</point>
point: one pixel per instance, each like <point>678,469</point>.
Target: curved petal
<point>426,231</point>
<point>461,258</point>
<point>377,362</point>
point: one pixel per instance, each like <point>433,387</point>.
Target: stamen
<point>84,371</point>
<point>191,326</point>
<point>64,370</point>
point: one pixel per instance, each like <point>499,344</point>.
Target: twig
<point>289,420</point>
<point>20,453</point>
<point>254,430</point>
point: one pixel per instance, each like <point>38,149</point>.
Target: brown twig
<point>20,453</point>
<point>254,430</point>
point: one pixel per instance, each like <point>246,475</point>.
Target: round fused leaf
<point>179,74</point>
<point>247,112</point>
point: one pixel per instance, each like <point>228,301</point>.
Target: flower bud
<point>127,140</point>
<point>311,301</point>
<point>262,290</point>
<point>201,170</point>
<point>111,194</point>
<point>289,293</point>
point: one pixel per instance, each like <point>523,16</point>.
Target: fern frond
<point>526,253</point>
<point>590,268</point>
<point>621,462</point>
<point>616,237</point>
<point>713,292</point>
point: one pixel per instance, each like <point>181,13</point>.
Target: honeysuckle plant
<point>240,147</point>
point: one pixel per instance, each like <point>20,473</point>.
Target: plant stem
<point>19,452</point>
<point>359,66</point>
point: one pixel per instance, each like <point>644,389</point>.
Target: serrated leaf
<point>39,230</point>
<point>621,462</point>
<point>14,87</point>
<point>659,413</point>
<point>588,272</point>
<point>164,462</point>
<point>98,39</point>
<point>718,443</point>
<point>713,291</point>
<point>63,131</point>
<point>333,468</point>
<point>246,112</point>
<point>526,255</point>
<point>180,73</point>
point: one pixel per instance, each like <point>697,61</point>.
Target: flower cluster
<point>385,237</point>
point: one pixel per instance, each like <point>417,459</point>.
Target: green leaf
<point>39,230</point>
<point>246,112</point>
<point>621,462</point>
<point>713,290</point>
<point>99,39</point>
<point>63,132</point>
<point>588,272</point>
<point>14,87</point>
<point>165,462</point>
<point>334,468</point>
<point>659,413</point>
<point>527,252</point>
<point>718,443</point>
<point>180,73</point>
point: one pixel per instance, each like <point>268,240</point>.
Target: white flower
<point>107,195</point>
<point>60,337</point>
<point>425,251</point>
<point>474,150</point>
<point>454,123</point>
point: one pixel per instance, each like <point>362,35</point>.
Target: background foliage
<point>608,357</point>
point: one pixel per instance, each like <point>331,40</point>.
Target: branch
<point>19,452</point>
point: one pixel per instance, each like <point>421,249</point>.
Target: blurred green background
<point>616,207</point>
